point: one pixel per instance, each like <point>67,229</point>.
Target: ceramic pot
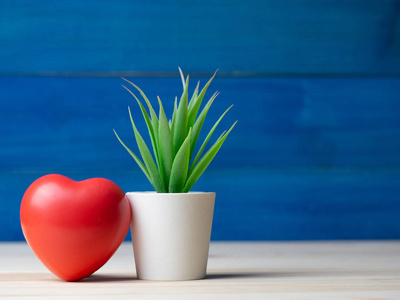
<point>171,234</point>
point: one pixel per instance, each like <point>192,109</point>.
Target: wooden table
<point>236,270</point>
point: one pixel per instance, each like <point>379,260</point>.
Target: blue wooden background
<point>316,88</point>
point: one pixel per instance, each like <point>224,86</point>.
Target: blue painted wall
<point>255,36</point>
<point>316,88</point>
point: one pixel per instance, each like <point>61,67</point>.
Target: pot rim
<point>155,193</point>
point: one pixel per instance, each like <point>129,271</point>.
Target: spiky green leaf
<point>137,160</point>
<point>197,157</point>
<point>182,77</point>
<point>194,109</point>
<point>199,123</point>
<point>154,120</point>
<point>194,96</point>
<point>205,161</point>
<point>147,159</point>
<point>174,116</point>
<point>165,149</point>
<point>146,117</point>
<point>181,120</point>
<point>180,167</point>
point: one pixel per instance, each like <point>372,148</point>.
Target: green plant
<point>175,170</point>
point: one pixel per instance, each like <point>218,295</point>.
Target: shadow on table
<point>107,278</point>
<point>264,274</point>
<point>114,278</point>
<point>214,276</point>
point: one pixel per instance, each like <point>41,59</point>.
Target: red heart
<point>74,227</point>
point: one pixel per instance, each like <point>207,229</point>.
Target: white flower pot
<point>171,234</point>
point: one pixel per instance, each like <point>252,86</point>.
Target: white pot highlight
<point>171,234</point>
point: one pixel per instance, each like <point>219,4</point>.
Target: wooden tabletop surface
<point>236,270</point>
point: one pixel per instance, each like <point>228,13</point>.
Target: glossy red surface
<point>74,227</point>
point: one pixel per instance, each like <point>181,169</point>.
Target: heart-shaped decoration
<point>74,227</point>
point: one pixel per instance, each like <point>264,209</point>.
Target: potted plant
<point>171,227</point>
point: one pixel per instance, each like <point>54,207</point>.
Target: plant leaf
<point>148,159</point>
<point>194,96</point>
<point>148,123</point>
<point>222,134</point>
<point>194,109</point>
<point>182,77</point>
<point>174,116</point>
<point>205,161</point>
<point>165,149</point>
<point>197,157</point>
<point>181,120</point>
<point>154,120</point>
<point>180,167</point>
<point>137,160</point>
<point>199,123</point>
